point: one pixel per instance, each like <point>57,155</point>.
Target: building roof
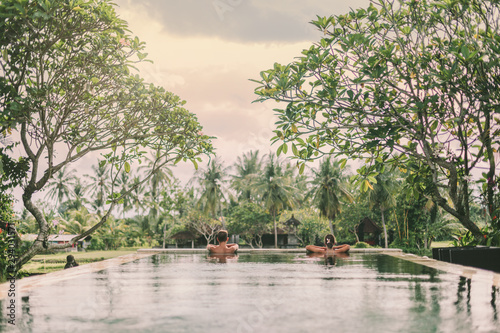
<point>368,226</point>
<point>292,221</point>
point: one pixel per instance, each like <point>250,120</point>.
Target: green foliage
<point>329,187</point>
<point>362,245</point>
<point>250,221</point>
<point>312,228</point>
<point>12,172</point>
<point>408,245</point>
<point>388,86</point>
<point>6,238</point>
<point>490,238</point>
<point>466,239</point>
<point>67,90</point>
<point>351,216</point>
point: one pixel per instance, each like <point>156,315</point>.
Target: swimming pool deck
<point>24,285</point>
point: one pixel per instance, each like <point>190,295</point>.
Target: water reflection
<point>287,293</point>
<point>494,291</point>
<point>329,259</point>
<point>223,258</point>
<point>464,285</point>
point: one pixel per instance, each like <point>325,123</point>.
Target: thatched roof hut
<point>292,222</point>
<point>183,237</point>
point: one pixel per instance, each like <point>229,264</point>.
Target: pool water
<point>261,293</point>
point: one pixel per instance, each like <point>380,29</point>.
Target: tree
<point>202,224</point>
<point>136,196</point>
<point>413,84</point>
<point>123,183</point>
<point>250,221</point>
<point>212,181</point>
<point>247,168</point>
<point>77,196</point>
<point>159,178</point>
<point>67,88</point>
<point>328,189</point>
<point>275,191</point>
<point>99,186</point>
<point>382,195</point>
<point>77,221</point>
<point>60,185</point>
<point>312,228</point>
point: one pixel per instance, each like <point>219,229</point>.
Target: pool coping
<point>26,284</point>
<point>468,272</point>
<point>262,250</point>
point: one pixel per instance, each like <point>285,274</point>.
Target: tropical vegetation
<point>407,90</point>
<point>401,85</point>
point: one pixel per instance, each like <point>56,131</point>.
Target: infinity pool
<point>261,293</point>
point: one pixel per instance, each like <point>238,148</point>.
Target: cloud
<point>243,20</point>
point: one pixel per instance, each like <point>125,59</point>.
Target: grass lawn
<point>46,263</point>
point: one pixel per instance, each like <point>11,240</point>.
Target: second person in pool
<point>223,247</point>
<point>330,247</point>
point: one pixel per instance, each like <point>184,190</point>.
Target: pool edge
<point>468,272</point>
<point>24,285</point>
<point>263,250</point>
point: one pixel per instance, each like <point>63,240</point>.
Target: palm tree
<point>77,198</point>
<point>160,177</point>
<point>275,191</point>
<point>60,185</point>
<point>212,182</point>
<point>123,181</point>
<point>382,195</point>
<point>99,186</point>
<point>78,194</point>
<point>79,220</point>
<point>136,196</point>
<point>328,190</point>
<point>247,168</point>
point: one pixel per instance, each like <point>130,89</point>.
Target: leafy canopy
<point>67,90</point>
<point>410,84</point>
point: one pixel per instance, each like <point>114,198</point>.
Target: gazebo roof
<point>292,221</point>
<point>368,226</point>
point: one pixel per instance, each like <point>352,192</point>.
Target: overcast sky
<point>206,51</point>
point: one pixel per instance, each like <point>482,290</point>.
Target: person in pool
<point>329,248</point>
<point>223,247</point>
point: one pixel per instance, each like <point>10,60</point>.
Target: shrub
<point>362,245</point>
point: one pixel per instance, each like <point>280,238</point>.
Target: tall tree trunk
<point>331,226</point>
<point>275,232</point>
<point>385,230</point>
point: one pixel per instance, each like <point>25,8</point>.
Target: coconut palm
<point>160,177</point>
<point>123,182</point>
<point>275,191</point>
<point>78,221</point>
<point>60,185</point>
<point>329,187</point>
<point>136,196</point>
<point>99,186</point>
<point>247,168</point>
<point>383,196</point>
<point>112,234</point>
<point>212,189</point>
